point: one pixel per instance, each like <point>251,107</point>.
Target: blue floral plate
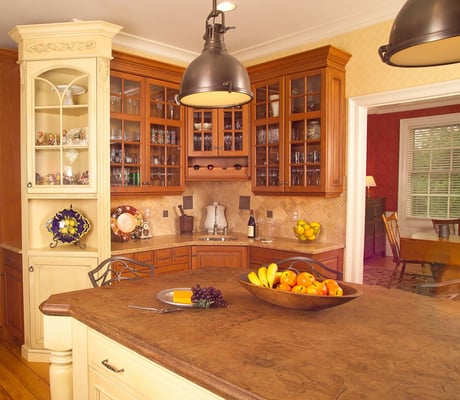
<point>68,226</point>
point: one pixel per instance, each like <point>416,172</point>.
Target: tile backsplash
<point>329,212</point>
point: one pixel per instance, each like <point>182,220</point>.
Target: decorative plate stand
<point>68,227</point>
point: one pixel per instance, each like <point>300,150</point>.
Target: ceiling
<point>173,29</point>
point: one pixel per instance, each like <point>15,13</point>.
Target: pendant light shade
<point>425,33</point>
<point>215,79</point>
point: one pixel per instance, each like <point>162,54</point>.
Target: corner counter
<point>169,241</point>
<point>385,344</point>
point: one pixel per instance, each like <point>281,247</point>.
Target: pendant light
<point>215,79</point>
<point>425,33</point>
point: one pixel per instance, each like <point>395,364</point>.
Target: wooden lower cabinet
<point>374,229</point>
<point>166,260</point>
<point>13,295</point>
<point>219,256</point>
<point>261,256</point>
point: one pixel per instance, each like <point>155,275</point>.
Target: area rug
<point>375,275</point>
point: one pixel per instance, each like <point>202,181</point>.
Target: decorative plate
<point>126,222</point>
<point>68,226</point>
<point>166,296</point>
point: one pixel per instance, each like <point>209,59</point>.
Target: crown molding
<point>152,49</point>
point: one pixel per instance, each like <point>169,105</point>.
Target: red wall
<point>383,149</point>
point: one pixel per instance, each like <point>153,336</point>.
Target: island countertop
<point>386,344</point>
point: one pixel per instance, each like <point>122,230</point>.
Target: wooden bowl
<point>299,301</point>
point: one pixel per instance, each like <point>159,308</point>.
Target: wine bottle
<point>251,225</point>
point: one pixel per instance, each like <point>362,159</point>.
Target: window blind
<point>434,171</point>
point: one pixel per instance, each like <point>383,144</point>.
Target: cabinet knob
<point>31,268</point>
<point>29,184</point>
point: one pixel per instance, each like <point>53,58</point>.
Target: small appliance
<point>215,221</point>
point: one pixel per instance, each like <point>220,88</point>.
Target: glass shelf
<point>62,138</point>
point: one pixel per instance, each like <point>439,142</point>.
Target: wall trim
<point>356,161</point>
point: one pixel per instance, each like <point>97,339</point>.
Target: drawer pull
<point>106,364</point>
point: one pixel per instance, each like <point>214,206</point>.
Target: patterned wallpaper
<point>383,150</point>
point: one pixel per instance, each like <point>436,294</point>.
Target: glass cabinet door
<point>233,138</point>
<point>126,133</point>
<point>303,140</point>
<point>164,153</point>
<point>203,141</point>
<point>268,148</point>
<point>62,137</point>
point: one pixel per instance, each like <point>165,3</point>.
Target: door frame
<point>356,161</point>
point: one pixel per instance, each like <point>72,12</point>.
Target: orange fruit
<point>312,289</point>
<point>305,278</point>
<point>321,286</point>
<point>288,277</point>
<point>299,289</point>
<point>337,292</point>
<point>283,287</point>
<point>331,285</point>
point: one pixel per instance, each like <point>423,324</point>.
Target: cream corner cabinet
<point>65,76</point>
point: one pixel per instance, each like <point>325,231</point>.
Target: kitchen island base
<point>385,344</point>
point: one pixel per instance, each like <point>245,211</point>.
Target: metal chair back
<point>117,269</point>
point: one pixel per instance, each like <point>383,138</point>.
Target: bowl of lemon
<point>307,231</point>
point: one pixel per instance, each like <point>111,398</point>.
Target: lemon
<point>299,230</point>
<point>301,222</point>
<point>309,232</point>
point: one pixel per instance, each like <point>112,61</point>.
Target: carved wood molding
<point>42,47</point>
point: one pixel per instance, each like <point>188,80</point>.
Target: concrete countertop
<point>386,344</point>
<point>196,239</point>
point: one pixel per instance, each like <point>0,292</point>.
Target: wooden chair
<point>315,267</point>
<point>117,269</point>
<point>393,234</point>
<point>453,224</point>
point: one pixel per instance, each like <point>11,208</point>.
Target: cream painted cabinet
<point>116,372</point>
<point>65,196</point>
<point>50,275</point>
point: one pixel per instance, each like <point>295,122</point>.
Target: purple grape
<point>207,297</point>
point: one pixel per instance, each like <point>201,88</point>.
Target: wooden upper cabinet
<point>298,123</point>
<point>218,143</point>
<point>147,138</point>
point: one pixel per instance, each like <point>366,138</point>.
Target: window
<point>430,167</point>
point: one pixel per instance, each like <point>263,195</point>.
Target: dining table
<point>385,344</point>
<point>442,253</point>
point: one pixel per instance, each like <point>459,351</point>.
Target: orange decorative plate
<point>126,222</point>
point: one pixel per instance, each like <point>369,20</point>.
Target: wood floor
<point>19,379</point>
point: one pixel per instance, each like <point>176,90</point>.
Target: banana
<point>277,277</point>
<point>271,273</point>
<point>254,279</point>
<point>262,273</point>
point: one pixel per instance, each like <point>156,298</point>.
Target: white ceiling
<point>173,29</point>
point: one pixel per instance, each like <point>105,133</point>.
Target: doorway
<point>356,161</point>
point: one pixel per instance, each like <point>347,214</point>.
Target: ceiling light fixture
<point>215,79</point>
<point>425,33</point>
<point>226,6</point>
